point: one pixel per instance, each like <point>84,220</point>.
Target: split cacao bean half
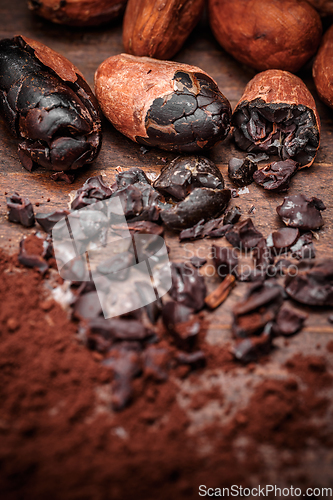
<point>279,34</point>
<point>323,69</point>
<point>158,28</point>
<point>48,105</point>
<point>78,12</point>
<point>277,115</point>
<point>166,104</point>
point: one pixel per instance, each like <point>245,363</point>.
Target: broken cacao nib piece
<point>283,238</point>
<point>219,295</point>
<point>92,191</point>
<point>144,227</point>
<point>156,363</point>
<point>243,234</point>
<point>87,306</point>
<point>241,172</point>
<point>153,309</point>
<point>185,173</point>
<point>177,107</point>
<point>225,260</point>
<point>47,221</point>
<point>198,261</point>
<point>277,115</point>
<point>120,262</point>
<point>182,325</point>
<point>63,176</point>
<point>33,252</point>
<point>259,307</point>
<point>188,286</point>
<point>214,228</point>
<point>302,212</point>
<point>130,176</point>
<point>314,286</point>
<point>48,105</point>
<point>262,256</point>
<point>201,203</point>
<point>276,176</point>
<point>20,210</point>
<point>304,247</point>
<point>250,349</point>
<point>288,322</point>
<point>232,216</point>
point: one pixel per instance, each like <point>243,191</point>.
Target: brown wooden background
<point>87,48</point>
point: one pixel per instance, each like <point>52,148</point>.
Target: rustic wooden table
<point>87,48</point>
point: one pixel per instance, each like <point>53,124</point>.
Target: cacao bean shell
<point>283,105</point>
<point>158,28</point>
<point>275,34</point>
<point>165,104</point>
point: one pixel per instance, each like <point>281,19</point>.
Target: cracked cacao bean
<point>159,28</point>
<point>48,105</point>
<point>277,115</point>
<point>175,106</point>
<point>78,12</point>
<point>280,34</point>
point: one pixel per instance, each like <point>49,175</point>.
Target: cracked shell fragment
<point>163,104</point>
<point>48,105</point>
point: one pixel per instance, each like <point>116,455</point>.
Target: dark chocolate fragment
<point>180,322</point>
<point>250,349</point>
<point>20,210</point>
<point>63,176</point>
<point>92,191</point>
<point>276,176</point>
<point>47,221</point>
<point>302,212</point>
<point>283,238</point>
<point>153,309</point>
<point>288,322</point>
<point>232,216</point>
<point>304,247</point>
<point>188,286</point>
<point>241,171</point>
<point>196,359</point>
<point>201,203</point>
<point>130,176</point>
<point>243,234</point>
<point>214,228</point>
<point>312,286</point>
<point>33,252</point>
<point>225,260</point>
<point>185,173</point>
<point>263,258</point>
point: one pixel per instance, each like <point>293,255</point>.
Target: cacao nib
<point>250,349</point>
<point>214,228</point>
<point>283,238</point>
<point>188,286</point>
<point>198,262</point>
<point>153,309</point>
<point>183,326</point>
<point>288,322</point>
<point>304,247</point>
<point>87,306</point>
<point>243,234</point>
<point>20,210</point>
<point>302,212</point>
<point>63,176</point>
<point>145,227</point>
<point>277,175</point>
<point>185,173</point>
<point>232,216</point>
<point>196,359</point>
<point>263,257</point>
<point>259,307</point>
<point>33,253</point>
<point>241,171</point>
<point>130,176</point>
<point>47,221</point>
<point>92,191</point>
<point>120,262</point>
<point>313,286</point>
<point>156,363</point>
<point>225,260</point>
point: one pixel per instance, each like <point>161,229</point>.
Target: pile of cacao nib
<point>166,333</point>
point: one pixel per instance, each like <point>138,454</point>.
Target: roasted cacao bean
<point>175,106</point>
<point>323,68</point>
<point>277,115</point>
<point>48,105</point>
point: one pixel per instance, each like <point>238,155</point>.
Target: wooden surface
<point>87,48</point>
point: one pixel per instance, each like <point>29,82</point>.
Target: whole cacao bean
<point>323,69</point>
<point>277,115</point>
<point>78,12</point>
<point>277,34</point>
<point>324,7</point>
<point>165,104</point>
<point>48,105</point>
<point>158,28</point>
